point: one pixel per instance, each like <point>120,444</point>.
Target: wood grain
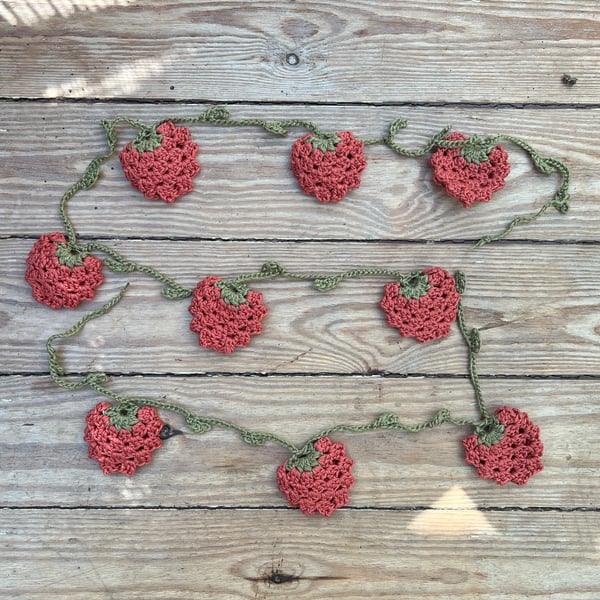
<point>537,306</point>
<point>246,189</point>
<point>205,518</point>
<point>241,554</point>
<point>43,459</point>
<point>507,51</point>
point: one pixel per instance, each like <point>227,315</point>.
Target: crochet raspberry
<point>317,479</point>
<point>225,314</point>
<point>123,437</point>
<point>422,305</point>
<point>60,274</point>
<point>471,173</point>
<point>161,163</point>
<point>327,166</point>
<point>512,451</point>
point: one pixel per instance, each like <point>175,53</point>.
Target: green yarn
<point>233,292</point>
<point>306,459</point>
<point>474,149</point>
<point>414,285</point>
<point>123,413</point>
<point>147,139</point>
<point>473,342</point>
<point>477,150</point>
<point>325,142</point>
<point>321,282</point>
<point>71,255</point>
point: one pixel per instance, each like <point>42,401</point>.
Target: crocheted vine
<point>122,432</point>
<point>161,162</point>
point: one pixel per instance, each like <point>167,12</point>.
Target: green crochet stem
<point>117,262</point>
<point>488,426</point>
<point>92,172</point>
<point>321,282</point>
<point>473,341</point>
<point>219,115</point>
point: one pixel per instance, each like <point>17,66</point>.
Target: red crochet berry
<point>123,437</point>
<point>161,163</point>
<point>225,314</point>
<point>317,479</point>
<point>512,452</point>
<point>472,173</point>
<point>327,166</point>
<point>422,305</point>
<point>61,274</point>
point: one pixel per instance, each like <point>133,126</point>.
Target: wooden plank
<point>538,312</point>
<point>509,51</point>
<point>266,554</point>
<point>43,459</point>
<point>246,188</point>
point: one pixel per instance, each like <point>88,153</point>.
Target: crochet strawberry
<point>62,274</point>
<point>471,173</point>
<point>225,314</point>
<point>317,478</point>
<point>509,449</point>
<point>123,437</point>
<point>161,162</point>
<point>327,166</point>
<point>422,305</point>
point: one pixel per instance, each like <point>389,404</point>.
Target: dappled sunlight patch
<point>454,514</point>
<point>125,80</point>
<point>31,12</point>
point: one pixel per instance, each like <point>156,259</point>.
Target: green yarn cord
<point>321,282</point>
<point>219,115</point>
<point>202,424</point>
<point>545,165</point>
<point>117,262</point>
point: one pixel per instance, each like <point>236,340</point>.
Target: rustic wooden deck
<point>205,520</point>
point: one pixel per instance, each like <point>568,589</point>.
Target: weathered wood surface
<point>277,554</point>
<point>500,52</point>
<point>246,189</point>
<point>538,308</point>
<point>205,519</point>
<point>45,462</point>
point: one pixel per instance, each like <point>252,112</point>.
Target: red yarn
<point>121,450</point>
<point>166,172</point>
<point>325,488</point>
<point>222,326</point>
<point>329,175</point>
<point>59,285</point>
<point>516,457</point>
<point>428,317</point>
<point>469,182</point>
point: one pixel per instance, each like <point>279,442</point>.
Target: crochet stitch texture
<point>322,489</point>
<point>516,457</point>
<point>122,450</point>
<point>328,174</point>
<point>164,172</point>
<point>222,325</point>
<point>470,178</point>
<point>63,284</point>
<point>122,434</point>
<point>427,314</point>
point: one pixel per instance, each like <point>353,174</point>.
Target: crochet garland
<point>122,432</point>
